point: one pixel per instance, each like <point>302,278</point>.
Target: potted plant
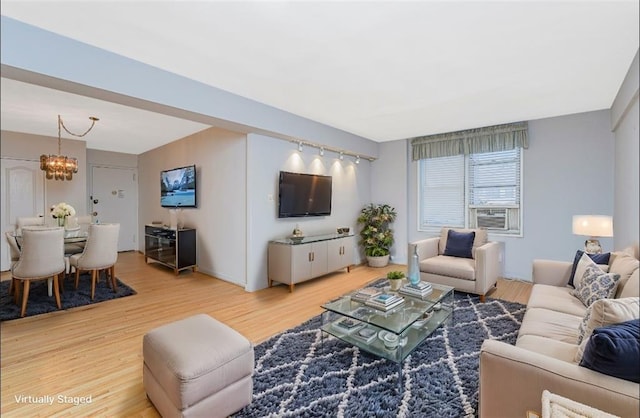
<point>395,279</point>
<point>376,236</point>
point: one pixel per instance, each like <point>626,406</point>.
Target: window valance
<point>471,141</point>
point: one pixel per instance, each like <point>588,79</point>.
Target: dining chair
<point>14,253</point>
<point>100,253</point>
<point>41,257</point>
<point>23,221</point>
<point>82,223</point>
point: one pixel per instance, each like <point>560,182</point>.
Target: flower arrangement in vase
<point>61,211</point>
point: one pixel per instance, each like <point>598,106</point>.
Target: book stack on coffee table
<point>419,290</point>
<point>365,294</point>
<point>385,302</point>
<point>347,325</point>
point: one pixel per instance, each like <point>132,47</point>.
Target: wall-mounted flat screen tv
<point>178,187</point>
<point>303,195</point>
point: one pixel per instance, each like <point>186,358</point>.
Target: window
<point>476,190</point>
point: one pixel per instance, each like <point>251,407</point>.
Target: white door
<point>22,194</point>
<point>114,199</point>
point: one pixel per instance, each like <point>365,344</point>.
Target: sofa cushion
<point>555,325</point>
<point>557,299</point>
<point>631,287</point>
<point>459,244</point>
<point>461,268</point>
<point>605,312</point>
<point>549,347</point>
<point>597,259</point>
<point>585,261</point>
<point>614,350</point>
<point>480,239</point>
<point>595,285</point>
<point>624,265</point>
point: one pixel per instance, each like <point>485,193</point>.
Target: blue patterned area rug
<point>40,302</point>
<point>300,373</point>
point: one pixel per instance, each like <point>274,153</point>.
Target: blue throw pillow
<point>597,258</point>
<point>459,244</point>
<point>614,350</point>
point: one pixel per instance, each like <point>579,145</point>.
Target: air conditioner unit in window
<point>492,218</point>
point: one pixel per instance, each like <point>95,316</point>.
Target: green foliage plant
<point>376,236</point>
<point>395,275</point>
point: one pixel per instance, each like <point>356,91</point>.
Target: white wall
<point>568,170</point>
<point>625,117</point>
<point>219,156</point>
<point>266,156</point>
<point>30,147</point>
<point>389,185</point>
<point>626,225</point>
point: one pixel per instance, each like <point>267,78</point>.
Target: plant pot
<point>395,284</point>
<point>381,261</point>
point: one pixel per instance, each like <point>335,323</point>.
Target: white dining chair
<point>82,224</point>
<point>23,221</point>
<point>41,257</point>
<point>100,253</point>
<point>14,253</point>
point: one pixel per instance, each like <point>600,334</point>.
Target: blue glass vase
<point>414,268</point>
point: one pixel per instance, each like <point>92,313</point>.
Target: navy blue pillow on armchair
<point>459,244</point>
<point>615,350</point>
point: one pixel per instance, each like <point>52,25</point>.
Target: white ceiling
<point>384,70</point>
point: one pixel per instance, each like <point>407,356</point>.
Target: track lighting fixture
<point>322,148</point>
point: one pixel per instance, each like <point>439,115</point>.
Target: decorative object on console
<point>376,236</point>
<point>61,167</point>
<point>593,226</point>
<point>343,230</point>
<point>175,216</point>
<point>296,235</point>
<point>61,211</point>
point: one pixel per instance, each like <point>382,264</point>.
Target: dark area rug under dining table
<point>40,302</point>
<point>301,373</point>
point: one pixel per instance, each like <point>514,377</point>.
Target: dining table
<point>71,237</point>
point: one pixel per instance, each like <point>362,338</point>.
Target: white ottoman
<point>197,367</point>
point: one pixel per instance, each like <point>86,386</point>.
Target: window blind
<point>442,191</point>
<point>494,178</point>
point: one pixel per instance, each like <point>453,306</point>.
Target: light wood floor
<point>96,351</point>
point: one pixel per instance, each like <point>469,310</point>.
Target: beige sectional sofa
<point>545,356</point>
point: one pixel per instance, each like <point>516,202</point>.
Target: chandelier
<point>61,167</point>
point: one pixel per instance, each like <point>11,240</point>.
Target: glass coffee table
<point>391,334</point>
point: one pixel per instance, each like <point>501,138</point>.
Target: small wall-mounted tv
<point>303,195</point>
<point>178,187</point>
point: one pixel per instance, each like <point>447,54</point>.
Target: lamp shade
<point>593,225</point>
